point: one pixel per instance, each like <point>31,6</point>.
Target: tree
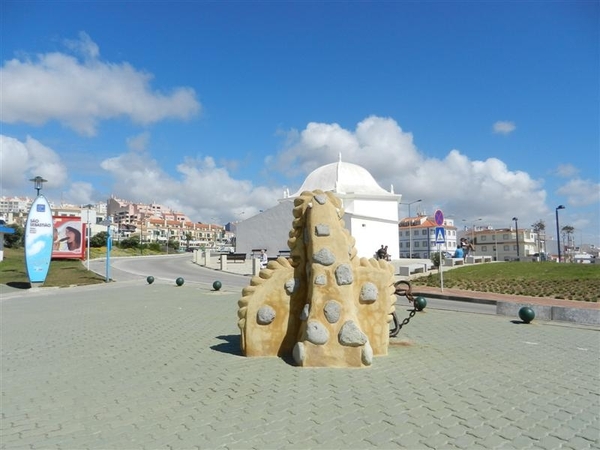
<point>435,259</point>
<point>539,228</point>
<point>188,238</point>
<point>15,240</point>
<point>130,242</point>
<point>99,239</point>
<point>568,230</point>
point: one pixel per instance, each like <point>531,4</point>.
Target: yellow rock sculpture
<point>323,305</point>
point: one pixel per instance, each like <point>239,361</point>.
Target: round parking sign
<point>439,217</point>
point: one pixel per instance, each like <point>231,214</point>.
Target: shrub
<point>15,240</point>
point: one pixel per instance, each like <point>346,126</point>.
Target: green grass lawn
<point>563,281</point>
<point>541,279</point>
<point>62,272</point>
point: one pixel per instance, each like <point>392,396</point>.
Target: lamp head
<point>37,183</point>
<point>560,207</point>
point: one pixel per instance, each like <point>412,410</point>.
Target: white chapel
<point>371,212</point>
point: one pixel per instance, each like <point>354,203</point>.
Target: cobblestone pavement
<point>132,366</point>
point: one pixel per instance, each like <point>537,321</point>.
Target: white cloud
<point>504,127</point>
<point>373,144</point>
<point>139,142</point>
<point>566,171</point>
<point>80,193</point>
<point>79,94</point>
<point>83,46</point>
<point>203,192</point>
<point>24,160</point>
<point>202,189</point>
<point>581,192</point>
<point>460,186</point>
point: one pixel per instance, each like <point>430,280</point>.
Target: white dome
<point>342,178</point>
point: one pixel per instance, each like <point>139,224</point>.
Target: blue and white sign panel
<point>440,235</point>
<point>39,235</point>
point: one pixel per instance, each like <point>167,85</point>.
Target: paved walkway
<point>132,366</point>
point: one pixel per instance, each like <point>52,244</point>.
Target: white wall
<point>371,222</point>
<point>380,209</point>
<point>269,229</point>
<point>371,234</point>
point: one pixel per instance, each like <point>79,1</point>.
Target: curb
<point>581,316</point>
<point>560,313</point>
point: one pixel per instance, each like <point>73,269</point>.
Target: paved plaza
<point>135,366</point>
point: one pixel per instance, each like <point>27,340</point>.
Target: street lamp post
<point>87,234</point>
<point>516,220</point>
<point>410,227</point>
<point>558,229</point>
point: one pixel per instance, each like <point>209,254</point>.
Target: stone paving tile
<point>159,367</point>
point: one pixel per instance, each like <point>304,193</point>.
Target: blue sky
<point>483,109</point>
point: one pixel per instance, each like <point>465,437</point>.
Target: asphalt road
<point>169,268</point>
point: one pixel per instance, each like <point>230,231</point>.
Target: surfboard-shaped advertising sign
<point>39,234</point>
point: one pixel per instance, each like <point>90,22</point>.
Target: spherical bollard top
<point>420,303</point>
<point>179,281</point>
<point>150,279</point>
<point>217,285</point>
<point>526,314</point>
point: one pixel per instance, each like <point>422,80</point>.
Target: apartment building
<point>417,236</point>
<point>157,223</point>
<point>14,204</point>
<point>505,244</point>
<point>15,209</point>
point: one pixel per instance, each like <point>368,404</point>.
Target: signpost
<point>440,238</point>
<point>107,222</point>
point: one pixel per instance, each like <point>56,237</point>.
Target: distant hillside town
<point>149,222</point>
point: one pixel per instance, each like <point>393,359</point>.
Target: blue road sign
<point>440,235</point>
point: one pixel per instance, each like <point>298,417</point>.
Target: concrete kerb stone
<point>561,313</point>
<point>582,316</point>
<point>512,309</point>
